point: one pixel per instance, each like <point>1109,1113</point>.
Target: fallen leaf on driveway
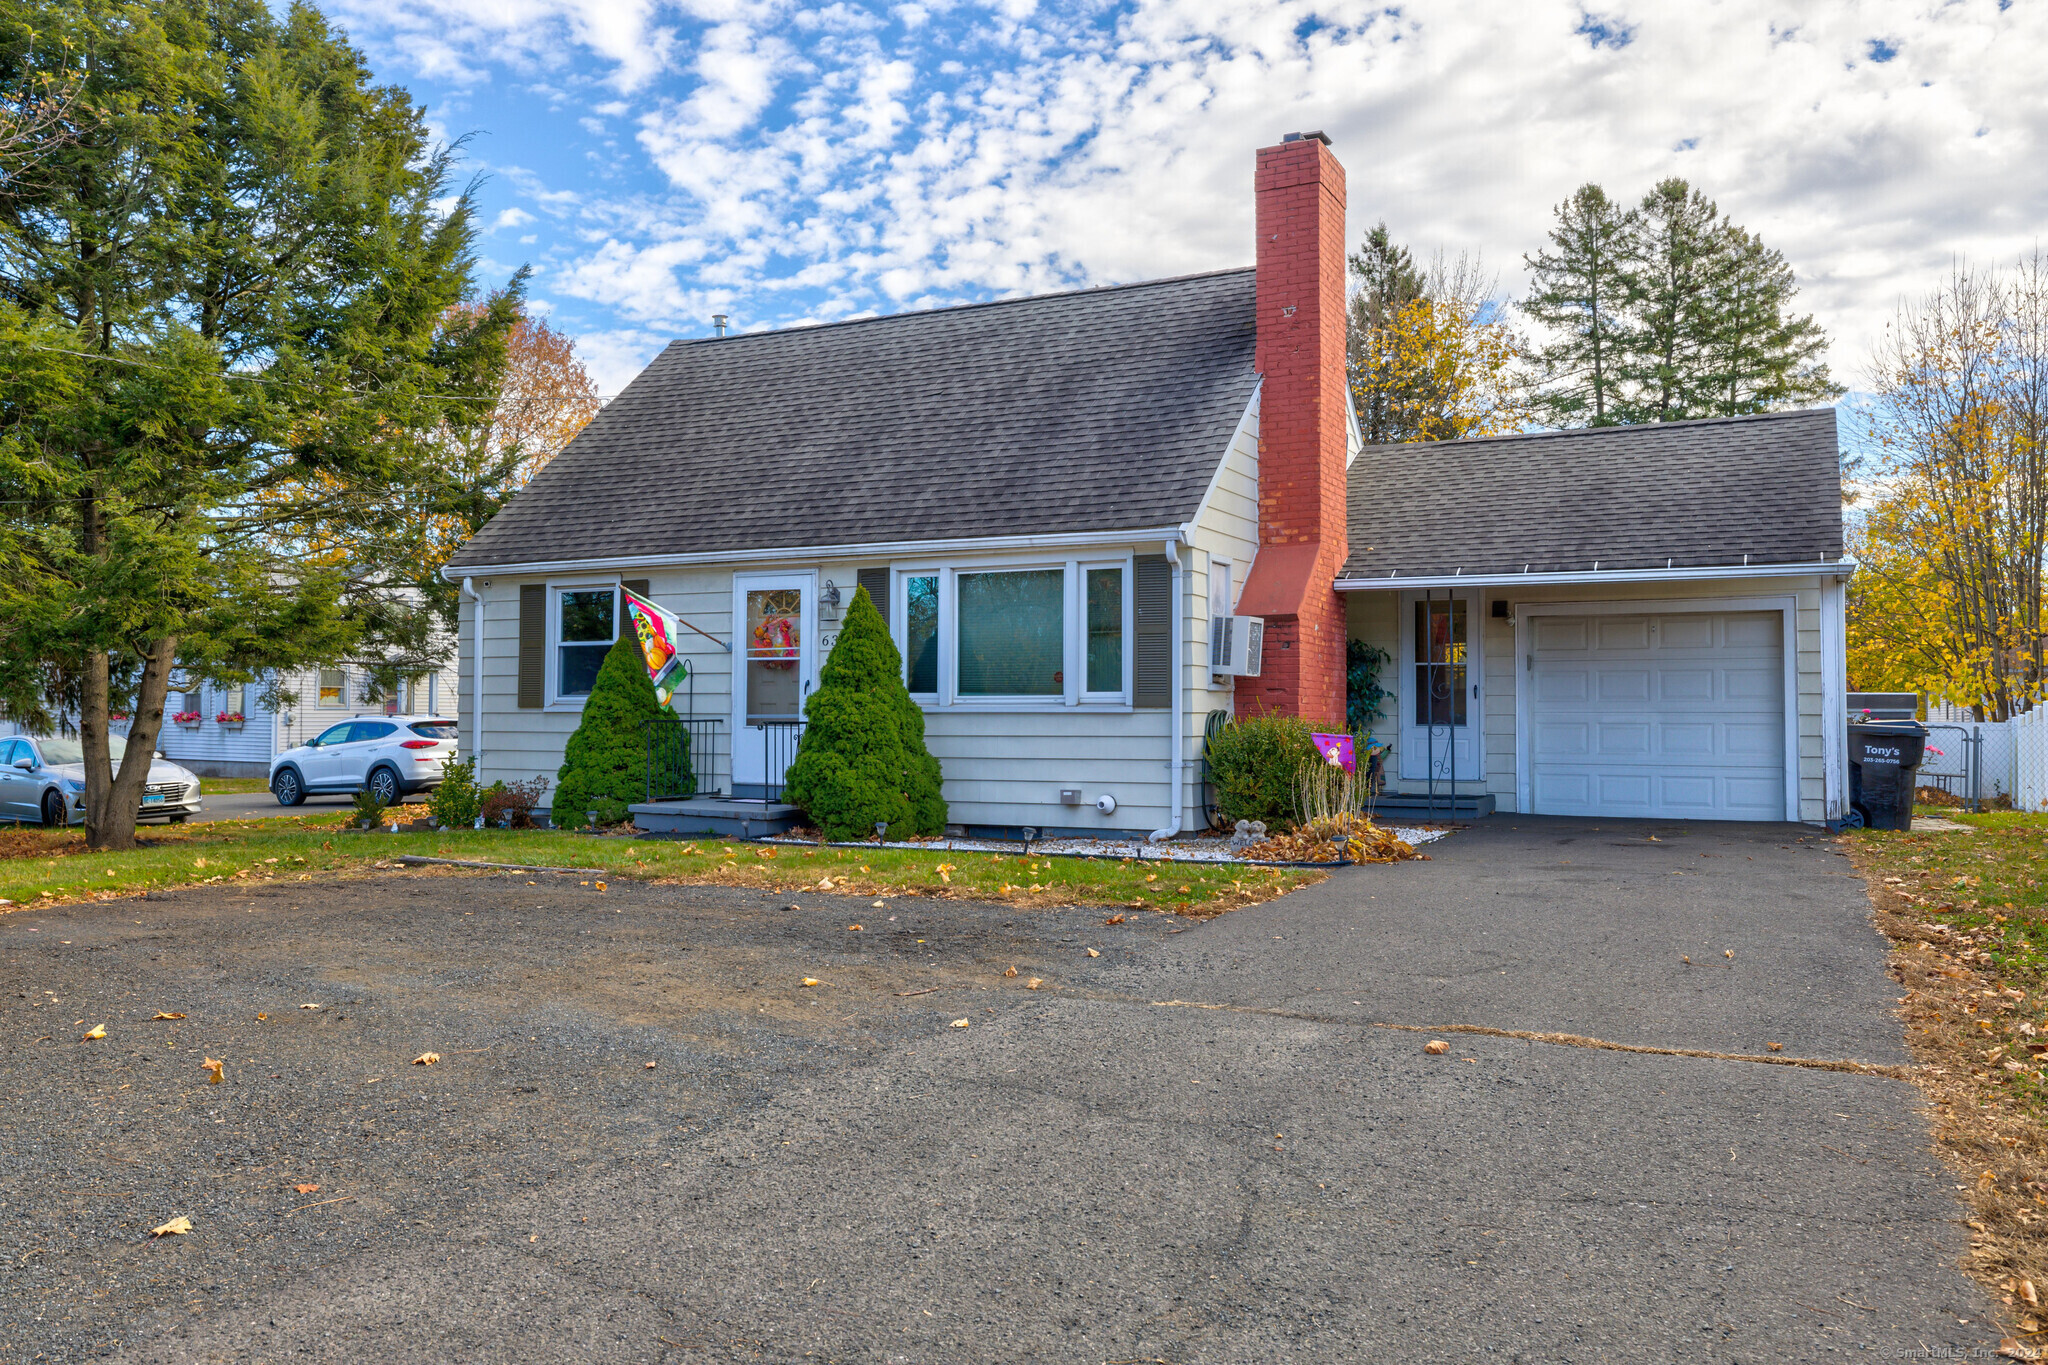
<point>1728,953</point>
<point>1775,1047</point>
<point>161,1015</point>
<point>1011,972</point>
<point>214,1069</point>
<point>853,928</point>
<point>98,1031</point>
<point>958,1023</point>
<point>600,886</point>
<point>177,1227</point>
<point>808,981</point>
<point>309,1007</point>
<point>1436,1047</point>
<point>1034,983</point>
<point>1093,953</point>
<point>2013,1349</point>
<point>261,1017</point>
<point>650,1066</point>
<point>426,1059</point>
<point>305,1189</point>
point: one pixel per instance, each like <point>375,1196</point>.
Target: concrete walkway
<point>1097,1177</point>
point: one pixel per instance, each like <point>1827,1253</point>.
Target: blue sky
<point>657,162</point>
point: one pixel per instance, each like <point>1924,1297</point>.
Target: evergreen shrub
<point>863,760</point>
<point>604,767</point>
<point>1254,764</point>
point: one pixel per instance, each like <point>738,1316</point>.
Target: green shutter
<point>533,645</point>
<point>876,581</point>
<point>1152,652</point>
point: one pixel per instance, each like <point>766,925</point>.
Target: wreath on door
<point>775,642</point>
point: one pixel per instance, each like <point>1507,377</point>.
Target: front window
<point>333,687</point>
<point>1105,630</point>
<point>1012,633</point>
<point>1440,656</point>
<point>587,623</point>
<point>921,633</point>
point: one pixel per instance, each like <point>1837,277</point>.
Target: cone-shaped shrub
<point>863,759</point>
<point>605,766</point>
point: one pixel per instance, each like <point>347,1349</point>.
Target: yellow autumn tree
<point>1438,360</point>
<point>1949,599</point>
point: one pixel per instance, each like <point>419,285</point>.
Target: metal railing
<point>781,741</point>
<point>682,756</point>
<point>1978,761</point>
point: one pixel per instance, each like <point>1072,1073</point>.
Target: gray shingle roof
<point>1103,410</point>
<point>1691,493</point>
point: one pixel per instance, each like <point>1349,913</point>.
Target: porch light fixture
<point>830,597</point>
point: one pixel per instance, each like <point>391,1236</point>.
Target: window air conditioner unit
<point>1236,644</point>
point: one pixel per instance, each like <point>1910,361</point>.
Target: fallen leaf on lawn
<point>426,1059</point>
<point>1151,876</point>
<point>306,1189</point>
<point>2028,1292</point>
<point>1114,919</point>
<point>2008,1347</point>
<point>1011,972</point>
<point>1034,983</point>
<point>1436,1047</point>
<point>177,1227</point>
<point>98,1031</point>
<point>161,1015</point>
<point>199,862</point>
<point>959,1023</point>
<point>1093,953</point>
<point>215,1068</point>
<point>808,981</point>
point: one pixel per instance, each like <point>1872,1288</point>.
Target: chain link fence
<point>1977,762</point>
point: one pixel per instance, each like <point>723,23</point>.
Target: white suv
<point>389,755</point>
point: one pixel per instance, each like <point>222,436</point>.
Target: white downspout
<point>1172,827</point>
<point>476,661</point>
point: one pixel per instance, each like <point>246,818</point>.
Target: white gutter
<point>858,550</point>
<point>1172,828</point>
<point>476,660</point>
<point>1840,568</point>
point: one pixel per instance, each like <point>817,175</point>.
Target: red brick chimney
<point>1303,426</point>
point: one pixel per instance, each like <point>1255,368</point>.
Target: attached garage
<point>1665,715</point>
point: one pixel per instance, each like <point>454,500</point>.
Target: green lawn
<point>232,786</point>
<point>49,866</point>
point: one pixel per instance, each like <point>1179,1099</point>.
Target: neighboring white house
<point>213,744</point>
<point>1059,502</point>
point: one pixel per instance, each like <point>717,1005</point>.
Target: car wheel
<point>384,786</point>
<point>287,788</point>
<point>53,810</point>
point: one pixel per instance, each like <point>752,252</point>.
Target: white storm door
<point>774,667</point>
<point>1672,716</point>
<point>1436,674</point>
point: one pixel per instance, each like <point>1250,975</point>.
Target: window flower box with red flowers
<point>229,720</point>
<point>188,719</point>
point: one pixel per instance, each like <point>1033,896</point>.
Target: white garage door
<point>1674,717</point>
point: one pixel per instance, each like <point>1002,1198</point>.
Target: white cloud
<point>511,218</point>
<point>816,162</point>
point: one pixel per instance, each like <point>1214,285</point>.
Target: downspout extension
<point>1173,709</point>
<point>476,660</point>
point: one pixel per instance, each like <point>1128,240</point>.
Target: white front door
<point>1671,716</point>
<point>774,666</point>
<point>1437,678</point>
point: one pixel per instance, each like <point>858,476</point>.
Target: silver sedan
<point>42,777</point>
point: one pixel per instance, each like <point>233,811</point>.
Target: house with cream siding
<point>1063,504</point>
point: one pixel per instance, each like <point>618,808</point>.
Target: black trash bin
<point>1884,770</point>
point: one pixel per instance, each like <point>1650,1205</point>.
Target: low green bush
<point>604,766</point>
<point>456,801</point>
<point>1254,763</point>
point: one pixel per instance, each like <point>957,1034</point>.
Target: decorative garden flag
<point>657,631</point>
<point>1336,751</point>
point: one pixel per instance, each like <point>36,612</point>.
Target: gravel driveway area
<point>1202,1145</point>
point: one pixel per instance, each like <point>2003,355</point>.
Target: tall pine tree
<point>1582,291</point>
<point>1387,281</point>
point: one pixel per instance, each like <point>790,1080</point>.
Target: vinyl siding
<point>1373,619</point>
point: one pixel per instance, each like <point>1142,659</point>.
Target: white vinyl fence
<point>2030,746</point>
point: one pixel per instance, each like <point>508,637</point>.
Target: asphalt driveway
<point>1084,1173</point>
